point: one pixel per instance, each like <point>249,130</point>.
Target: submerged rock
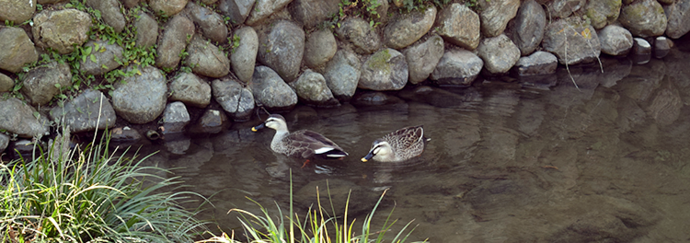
<point>212,121</point>
<point>89,111</point>
<point>384,70</point>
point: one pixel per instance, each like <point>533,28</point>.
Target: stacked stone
<point>282,56</point>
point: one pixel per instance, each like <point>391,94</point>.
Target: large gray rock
<point>678,15</point>
<point>408,28</point>
<point>61,29</point>
<point>17,50</point>
<point>528,30</point>
<point>17,11</point>
<point>564,8</point>
<point>178,31</point>
<point>282,48</point>
<point>499,54</point>
<point>147,30</point>
<point>423,57</point>
<point>206,59</point>
<point>603,12</point>
<point>342,74</point>
<point>243,58</point>
<point>106,55</point>
<point>384,70</point>
<point>572,40</point>
<point>236,10</point>
<point>238,101</point>
<point>191,90</point>
<point>495,15</point>
<point>312,89</point>
<point>459,25</point>
<point>140,98</point>
<point>270,90</point>
<point>211,23</point>
<point>18,118</point>
<point>6,83</point>
<point>264,8</point>
<point>310,13</point>
<point>110,12</point>
<point>358,32</point>
<point>644,18</point>
<point>89,111</point>
<point>615,40</point>
<point>457,67</point>
<point>167,7</point>
<point>4,141</point>
<point>175,117</point>
<point>44,82</point>
<point>539,63</point>
<point>320,48</point>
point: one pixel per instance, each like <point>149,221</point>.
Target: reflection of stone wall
<point>441,45</point>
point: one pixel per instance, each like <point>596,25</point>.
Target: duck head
<point>274,121</point>
<point>380,151</point>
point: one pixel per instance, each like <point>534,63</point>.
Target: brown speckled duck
<point>397,146</point>
<point>303,143</point>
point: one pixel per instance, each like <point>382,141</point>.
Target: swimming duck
<point>303,143</point>
<point>397,146</point>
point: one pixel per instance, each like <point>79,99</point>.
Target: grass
<point>316,226</point>
<point>91,195</point>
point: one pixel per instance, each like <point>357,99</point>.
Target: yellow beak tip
<point>254,129</point>
<point>364,160</point>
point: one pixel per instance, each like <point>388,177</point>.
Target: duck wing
<point>407,137</point>
<point>308,143</point>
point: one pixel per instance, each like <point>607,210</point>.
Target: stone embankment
<point>216,61</point>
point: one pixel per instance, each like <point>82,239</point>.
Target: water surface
<point>533,160</point>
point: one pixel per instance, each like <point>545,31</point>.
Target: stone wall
<point>228,57</point>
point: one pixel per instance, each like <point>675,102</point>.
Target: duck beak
<point>256,128</point>
<point>368,156</point>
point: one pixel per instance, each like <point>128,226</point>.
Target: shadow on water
<point>535,160</point>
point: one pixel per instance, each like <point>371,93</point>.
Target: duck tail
<point>334,154</point>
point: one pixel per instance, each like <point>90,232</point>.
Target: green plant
<point>316,226</point>
<point>91,195</point>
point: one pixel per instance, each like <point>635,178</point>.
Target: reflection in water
<point>526,161</point>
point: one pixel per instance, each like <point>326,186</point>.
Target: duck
<point>400,145</point>
<point>302,144</point>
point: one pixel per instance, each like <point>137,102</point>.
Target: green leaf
<point>93,59</point>
<point>86,51</point>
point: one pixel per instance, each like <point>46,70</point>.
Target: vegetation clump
<point>91,195</point>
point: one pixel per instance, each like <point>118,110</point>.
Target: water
<point>508,160</point>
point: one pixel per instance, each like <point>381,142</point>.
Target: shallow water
<point>508,161</point>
